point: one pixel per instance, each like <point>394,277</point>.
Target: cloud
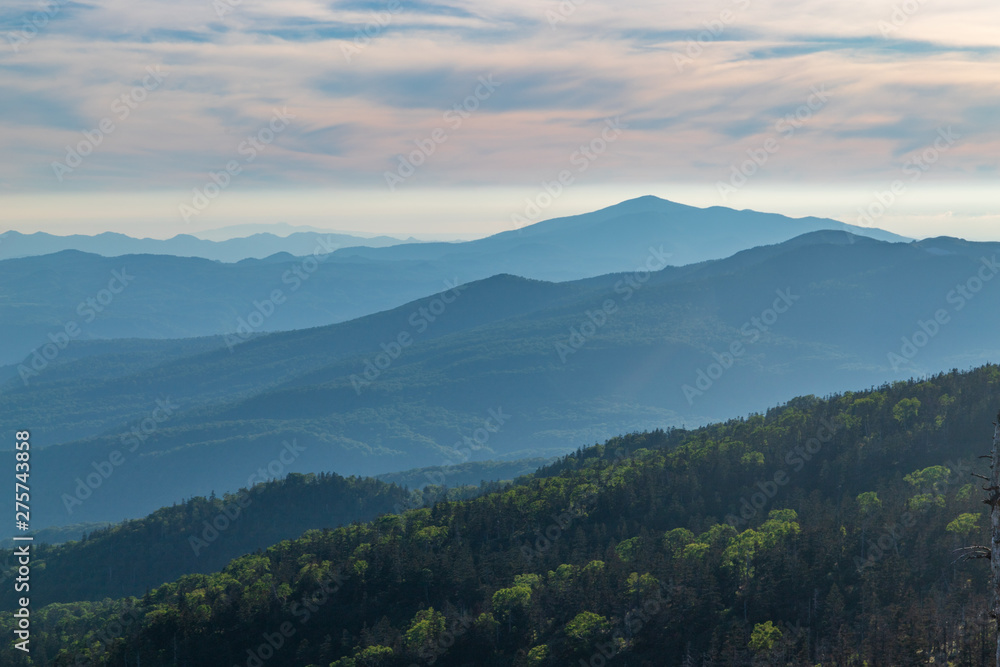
<point>748,65</point>
<point>21,107</point>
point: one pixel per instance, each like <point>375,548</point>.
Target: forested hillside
<point>203,534</point>
<point>821,532</point>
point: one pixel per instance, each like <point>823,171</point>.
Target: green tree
<point>374,656</point>
<point>906,410</point>
<point>963,524</point>
<point>765,640</point>
<point>929,479</point>
<point>627,549</point>
<point>425,629</point>
<point>508,602</point>
<point>587,628</point>
<point>924,502</point>
<point>538,655</point>
<point>869,504</point>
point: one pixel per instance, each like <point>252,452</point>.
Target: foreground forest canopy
<point>821,532</point>
<point>202,535</point>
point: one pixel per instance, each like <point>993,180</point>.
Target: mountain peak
<point>647,202</point>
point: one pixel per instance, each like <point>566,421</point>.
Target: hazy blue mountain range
<point>162,296</point>
<point>283,229</point>
<point>611,239</point>
<point>504,368</point>
<point>617,238</point>
<point>257,245</point>
<point>57,534</point>
<point>83,296</point>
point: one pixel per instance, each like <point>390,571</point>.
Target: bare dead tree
<point>991,552</point>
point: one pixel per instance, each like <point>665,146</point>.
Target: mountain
<point>68,297</point>
<point>57,535</point>
<point>614,239</point>
<point>319,284</point>
<point>202,534</point>
<point>258,245</point>
<point>505,368</point>
<point>819,532</point>
<point>284,230</point>
<point>472,473</point>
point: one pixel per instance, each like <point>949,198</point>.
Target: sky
<point>465,118</point>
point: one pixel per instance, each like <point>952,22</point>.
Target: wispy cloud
<point>229,69</point>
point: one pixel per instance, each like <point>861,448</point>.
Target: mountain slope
<point>515,368</point>
<point>76,295</point>
<point>617,238</point>
<point>203,534</point>
<point>820,532</point>
<point>68,297</point>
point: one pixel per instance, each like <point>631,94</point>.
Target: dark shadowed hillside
<point>820,532</point>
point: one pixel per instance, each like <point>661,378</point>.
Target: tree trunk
<point>994,502</point>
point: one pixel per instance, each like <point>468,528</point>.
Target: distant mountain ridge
<point>111,244</point>
<point>607,240</point>
<point>321,283</point>
<point>618,238</point>
<point>282,229</point>
<point>64,298</point>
